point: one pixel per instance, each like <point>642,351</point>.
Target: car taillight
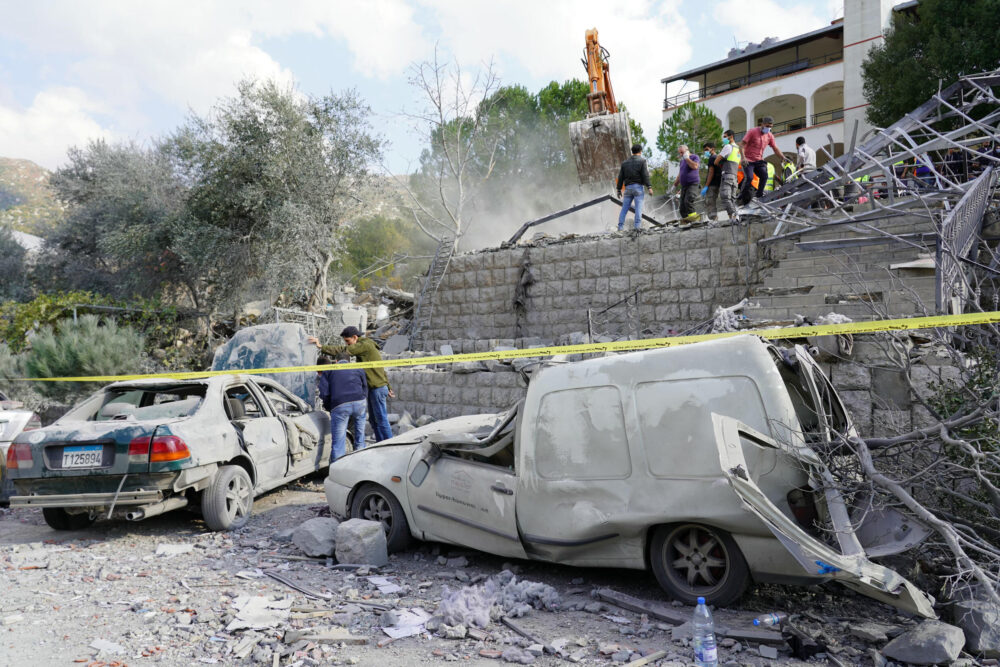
<point>19,456</point>
<point>138,450</point>
<point>168,448</point>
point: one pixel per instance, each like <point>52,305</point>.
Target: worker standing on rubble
<point>688,180</point>
<point>753,144</point>
<point>712,182</point>
<point>379,391</point>
<point>805,159</point>
<point>728,163</point>
<point>633,176</point>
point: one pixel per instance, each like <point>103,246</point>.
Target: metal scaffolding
<point>938,162</point>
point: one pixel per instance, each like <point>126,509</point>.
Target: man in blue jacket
<point>345,394</point>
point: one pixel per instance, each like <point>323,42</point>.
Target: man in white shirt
<point>806,159</point>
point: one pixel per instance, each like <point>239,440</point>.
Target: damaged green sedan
<point>142,448</point>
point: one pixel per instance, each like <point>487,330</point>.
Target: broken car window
<point>153,403</point>
<point>283,404</point>
<point>241,404</point>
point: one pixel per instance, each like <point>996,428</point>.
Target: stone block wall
<point>683,276</point>
<point>443,394</point>
<point>874,390</point>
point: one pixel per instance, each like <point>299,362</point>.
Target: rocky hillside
<point>27,203</point>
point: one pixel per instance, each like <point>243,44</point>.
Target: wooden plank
<point>666,613</point>
<point>652,657</point>
<point>655,610</point>
<point>751,635</point>
<point>329,635</point>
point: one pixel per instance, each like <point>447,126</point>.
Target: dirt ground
<point>65,592</point>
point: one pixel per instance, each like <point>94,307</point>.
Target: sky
<point>72,72</point>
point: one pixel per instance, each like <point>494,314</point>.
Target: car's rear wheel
<point>227,503</point>
<point>60,519</point>
<point>691,561</point>
<point>376,503</point>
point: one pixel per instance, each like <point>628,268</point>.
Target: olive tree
<point>273,178</point>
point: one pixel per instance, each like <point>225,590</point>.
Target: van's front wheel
<point>692,561</point>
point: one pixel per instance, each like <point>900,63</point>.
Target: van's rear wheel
<point>692,561</point>
<point>60,519</point>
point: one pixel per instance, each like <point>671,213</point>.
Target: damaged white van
<point>696,462</point>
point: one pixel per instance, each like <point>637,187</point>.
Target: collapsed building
<point>865,237</point>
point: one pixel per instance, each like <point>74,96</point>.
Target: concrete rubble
<point>980,621</point>
<point>316,537</point>
<point>930,643</point>
<point>209,602</point>
<point>361,542</point>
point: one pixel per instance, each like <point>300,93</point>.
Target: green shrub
<point>17,319</point>
<point>90,346</point>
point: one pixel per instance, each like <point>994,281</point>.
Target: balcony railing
<point>756,77</point>
<point>827,116</point>
<point>789,125</point>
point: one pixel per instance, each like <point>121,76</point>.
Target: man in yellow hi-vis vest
<point>769,184</point>
<point>728,161</point>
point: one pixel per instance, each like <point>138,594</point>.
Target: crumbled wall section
<point>683,275</point>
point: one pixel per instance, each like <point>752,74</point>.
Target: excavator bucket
<point>600,144</point>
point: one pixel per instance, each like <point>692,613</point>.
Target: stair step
<point>840,258</point>
<point>883,296</point>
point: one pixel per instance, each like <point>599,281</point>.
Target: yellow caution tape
<point>873,326</point>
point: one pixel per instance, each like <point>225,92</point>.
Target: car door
<point>308,430</point>
<point>852,569</point>
<point>263,432</point>
<point>462,501</point>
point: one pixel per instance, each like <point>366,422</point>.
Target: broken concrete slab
<point>930,643</point>
<point>169,550</point>
<point>104,646</point>
<point>361,541</point>
<point>327,635</point>
<point>870,632</point>
<point>256,612</point>
<point>396,345</point>
<point>317,537</point>
<point>469,367</point>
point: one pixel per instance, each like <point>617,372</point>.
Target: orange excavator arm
<point>601,98</point>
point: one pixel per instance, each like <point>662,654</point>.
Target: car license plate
<point>82,456</point>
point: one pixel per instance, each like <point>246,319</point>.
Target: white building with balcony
<point>810,84</point>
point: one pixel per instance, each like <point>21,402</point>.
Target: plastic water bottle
<point>705,652</point>
<point>774,618</point>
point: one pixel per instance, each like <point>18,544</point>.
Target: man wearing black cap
<point>379,391</point>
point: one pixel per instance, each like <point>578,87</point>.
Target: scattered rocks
<point>929,643</point>
<point>316,537</point>
<point>361,541</point>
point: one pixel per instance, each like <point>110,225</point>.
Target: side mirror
<point>423,467</point>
